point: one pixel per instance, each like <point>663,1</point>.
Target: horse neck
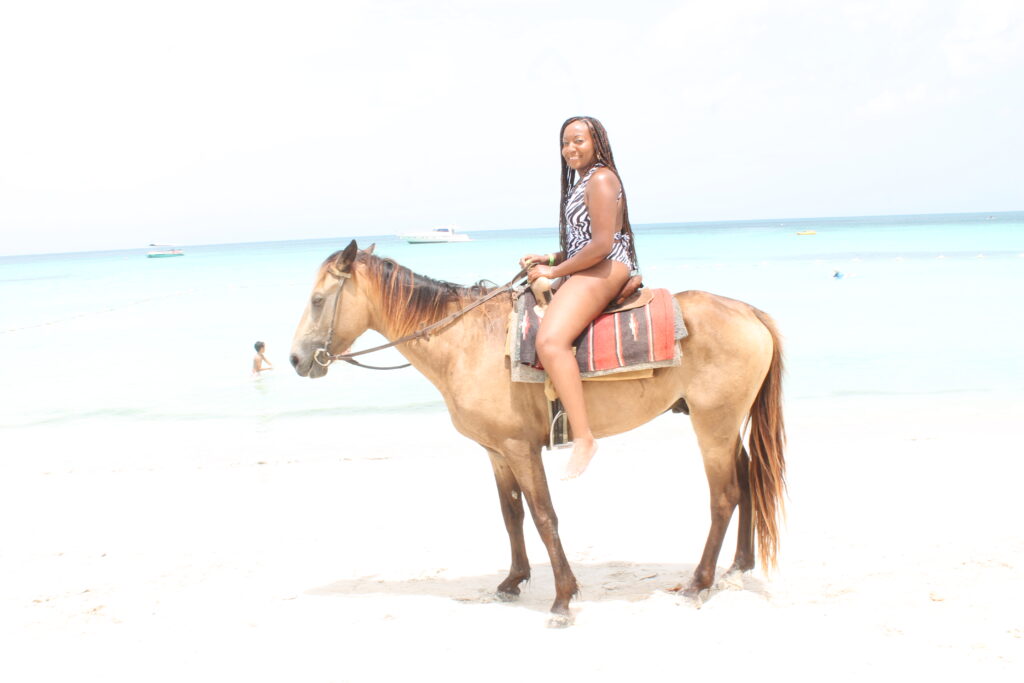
<point>456,346</point>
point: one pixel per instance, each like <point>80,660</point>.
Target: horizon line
<point>542,227</point>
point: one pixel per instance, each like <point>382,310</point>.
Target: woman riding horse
<point>597,258</point>
<point>730,371</point>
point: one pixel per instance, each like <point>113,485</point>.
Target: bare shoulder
<point>604,183</point>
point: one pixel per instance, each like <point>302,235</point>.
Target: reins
<point>323,356</point>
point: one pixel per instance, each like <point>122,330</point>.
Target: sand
<point>368,550</point>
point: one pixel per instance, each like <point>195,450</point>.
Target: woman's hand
<point>532,258</point>
<point>540,270</point>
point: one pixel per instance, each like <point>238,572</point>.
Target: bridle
<point>324,357</point>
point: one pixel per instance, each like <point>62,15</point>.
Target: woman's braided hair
<point>603,152</point>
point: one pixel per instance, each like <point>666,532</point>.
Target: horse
<point>729,380</point>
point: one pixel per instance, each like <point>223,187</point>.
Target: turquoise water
<point>926,305</point>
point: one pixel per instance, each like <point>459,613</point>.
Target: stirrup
<point>560,434</point>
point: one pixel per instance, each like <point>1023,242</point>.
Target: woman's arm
<point>533,258</point>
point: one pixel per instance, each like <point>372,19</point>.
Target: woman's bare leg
<point>577,302</point>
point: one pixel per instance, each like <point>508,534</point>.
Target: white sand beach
<point>360,553</point>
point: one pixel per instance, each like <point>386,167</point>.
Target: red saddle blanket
<point>625,340</point>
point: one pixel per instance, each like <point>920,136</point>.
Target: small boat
<point>807,232</point>
<point>165,251</point>
<point>446,233</point>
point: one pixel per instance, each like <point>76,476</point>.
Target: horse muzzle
<point>306,366</point>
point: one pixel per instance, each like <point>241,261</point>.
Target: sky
<point>125,123</point>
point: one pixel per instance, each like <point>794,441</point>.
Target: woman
<point>597,258</point>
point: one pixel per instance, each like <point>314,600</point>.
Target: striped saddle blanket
<point>625,340</point>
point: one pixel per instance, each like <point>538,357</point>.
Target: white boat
<point>164,251</point>
<point>445,233</point>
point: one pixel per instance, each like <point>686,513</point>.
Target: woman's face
<point>578,146</point>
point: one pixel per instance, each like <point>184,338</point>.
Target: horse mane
<point>409,300</point>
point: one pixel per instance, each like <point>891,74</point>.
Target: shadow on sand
<point>629,581</point>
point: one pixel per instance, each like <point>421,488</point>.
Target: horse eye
<point>318,301</point>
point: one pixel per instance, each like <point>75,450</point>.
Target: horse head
<point>336,314</point>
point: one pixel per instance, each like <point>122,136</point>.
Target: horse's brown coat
<point>731,370</point>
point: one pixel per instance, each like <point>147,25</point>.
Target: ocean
<point>891,305</point>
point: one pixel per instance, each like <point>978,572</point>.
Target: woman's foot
<point>582,452</point>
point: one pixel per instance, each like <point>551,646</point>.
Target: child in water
<point>259,359</point>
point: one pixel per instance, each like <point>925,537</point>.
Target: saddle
<point>637,335</point>
<point>627,341</point>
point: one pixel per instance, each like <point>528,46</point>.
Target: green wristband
<point>551,259</point>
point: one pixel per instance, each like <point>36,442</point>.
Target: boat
<point>165,251</point>
<point>447,233</point>
<point>807,232</point>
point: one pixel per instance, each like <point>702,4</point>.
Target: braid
<point>567,177</point>
<point>603,151</point>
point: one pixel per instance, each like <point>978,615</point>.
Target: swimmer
<point>259,360</point>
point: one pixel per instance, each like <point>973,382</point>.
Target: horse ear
<point>369,249</point>
<point>348,257</point>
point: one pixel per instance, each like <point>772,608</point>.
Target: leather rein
<point>324,357</point>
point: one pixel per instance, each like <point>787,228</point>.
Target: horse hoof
<point>742,567</point>
<point>695,597</point>
<point>560,621</point>
<point>506,596</point>
<point>732,580</point>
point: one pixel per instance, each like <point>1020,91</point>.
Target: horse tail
<point>767,464</point>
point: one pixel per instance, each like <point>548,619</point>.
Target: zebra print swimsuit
<point>577,224</point>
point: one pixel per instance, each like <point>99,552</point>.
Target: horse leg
<point>511,499</point>
<point>744,559</point>
<point>718,436</point>
<point>529,472</point>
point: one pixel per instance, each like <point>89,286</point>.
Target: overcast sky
<point>125,123</point>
